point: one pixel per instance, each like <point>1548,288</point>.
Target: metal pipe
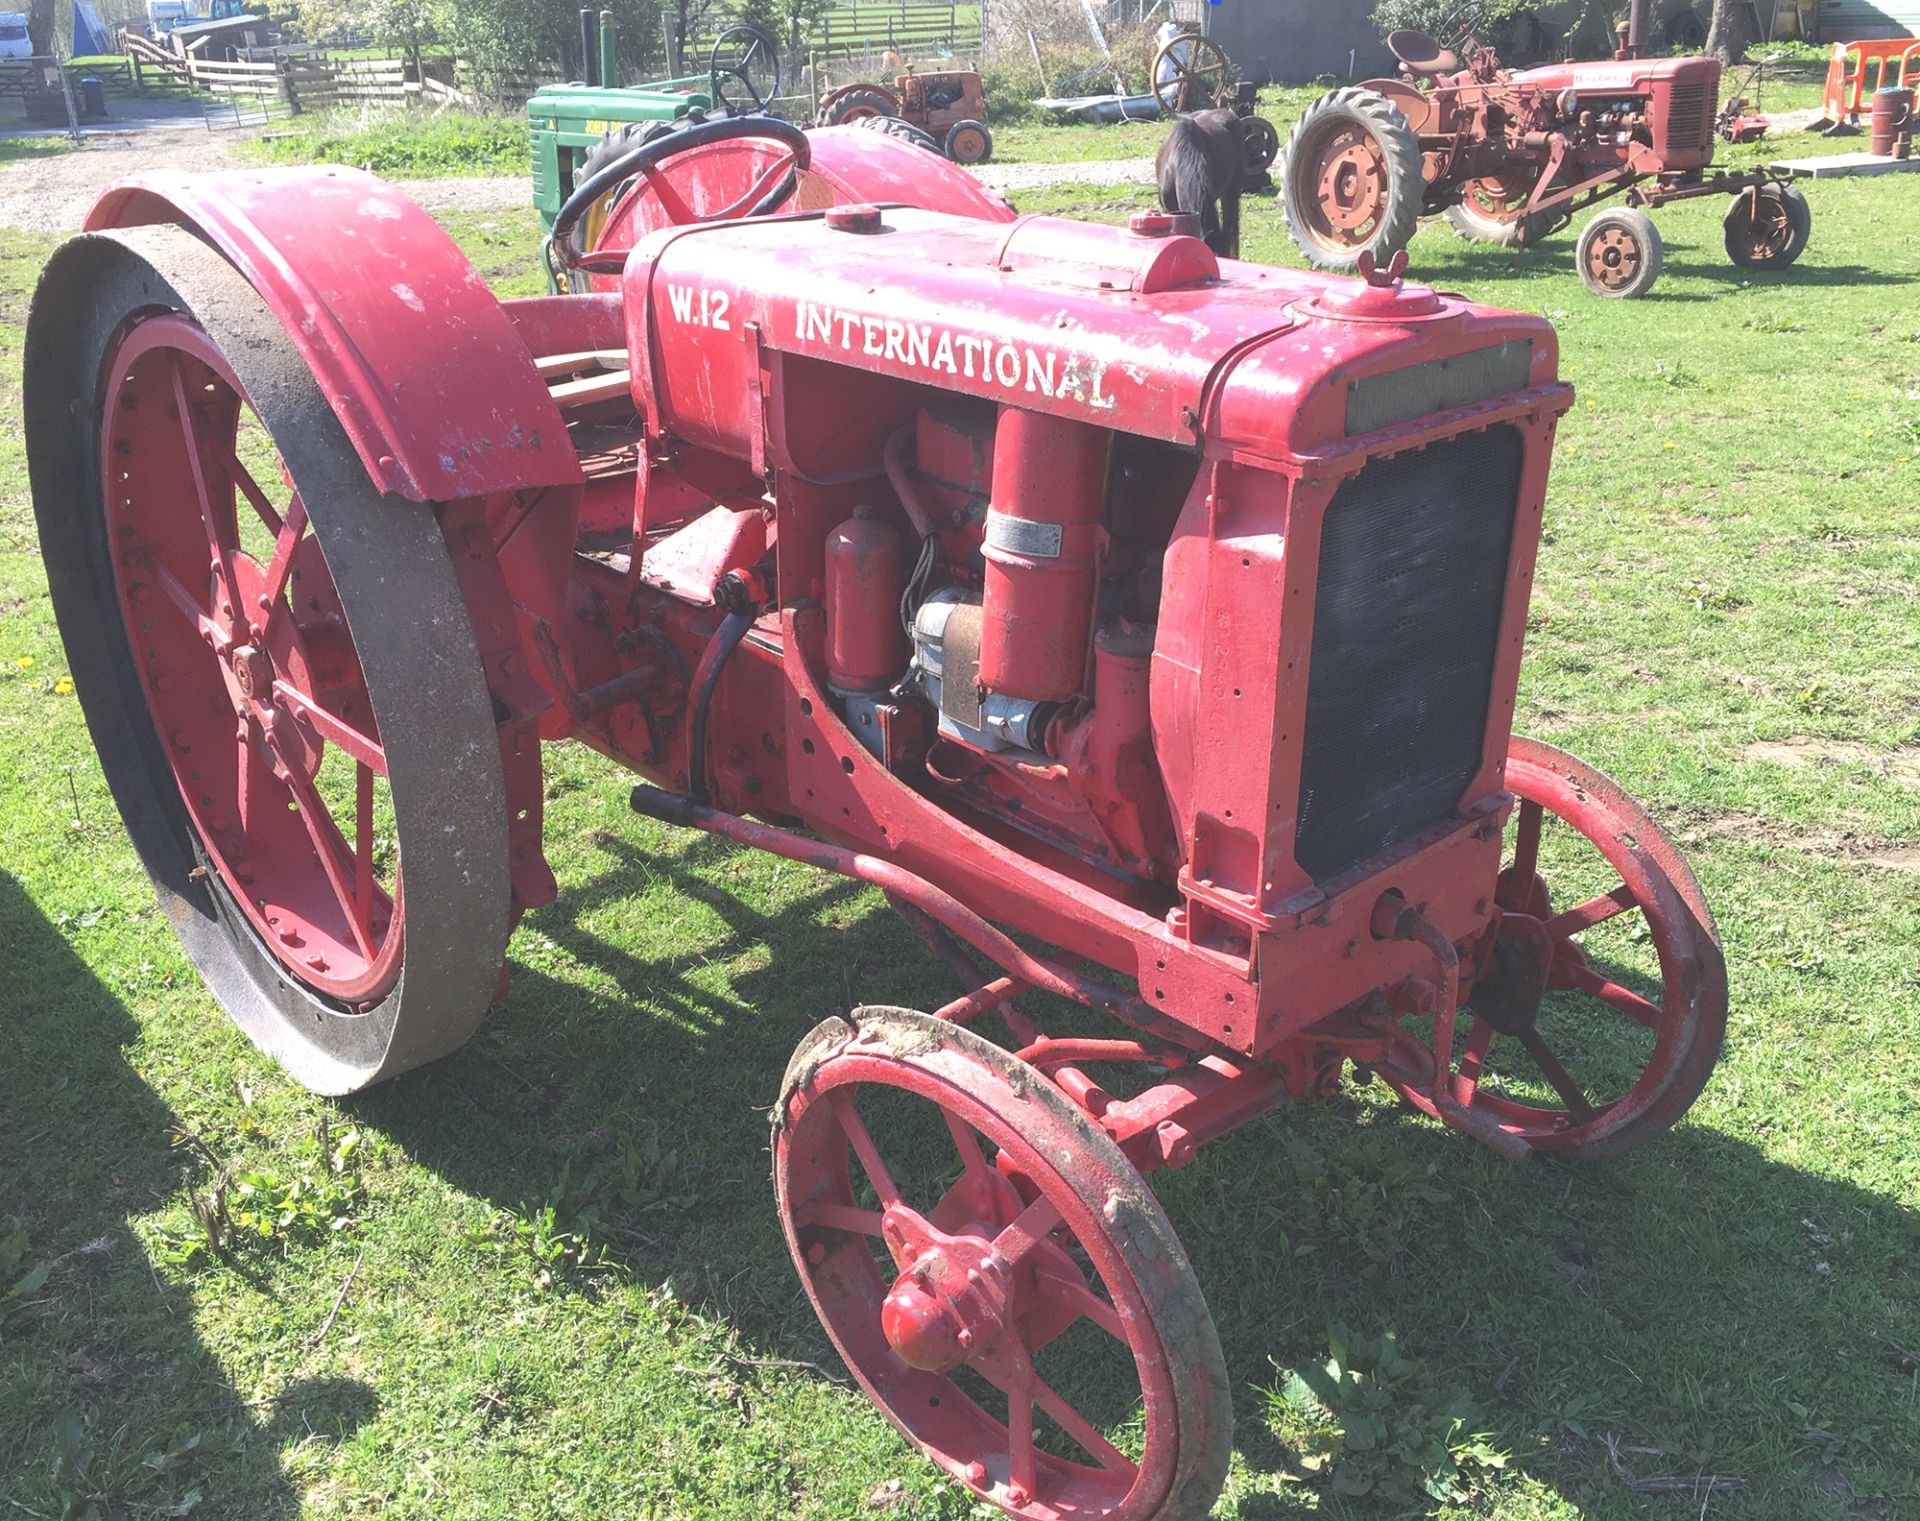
<point>726,639</point>
<point>935,902</point>
<point>586,46</point>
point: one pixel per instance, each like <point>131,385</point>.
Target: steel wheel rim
<point>1614,257</point>
<point>1348,180</point>
<point>1681,1020</point>
<point>1766,235</point>
<point>1491,200</point>
<point>325,918</point>
<point>815,1153</point>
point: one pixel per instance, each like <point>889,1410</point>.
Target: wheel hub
<point>253,673</point>
<point>1508,996</point>
<point>953,1294</point>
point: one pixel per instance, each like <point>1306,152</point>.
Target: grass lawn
<point>544,1277</point>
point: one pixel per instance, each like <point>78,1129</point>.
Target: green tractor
<point>576,127</point>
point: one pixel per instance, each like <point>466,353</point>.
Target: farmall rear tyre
<point>1350,180</point>
<point>858,105</point>
<point>275,661</point>
<point>978,1251</point>
<point>969,142</point>
<point>1490,211</point>
<point>1620,254</point>
<point>1773,235</point>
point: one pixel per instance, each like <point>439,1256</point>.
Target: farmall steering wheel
<point>746,56</point>
<point>769,191</point>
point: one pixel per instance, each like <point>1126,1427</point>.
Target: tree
<point>1727,33</point>
<point>41,20</point>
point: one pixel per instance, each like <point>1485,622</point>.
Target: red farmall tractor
<point>1145,627</point>
<point>1510,157</point>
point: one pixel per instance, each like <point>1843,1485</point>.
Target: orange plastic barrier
<point>1898,57</point>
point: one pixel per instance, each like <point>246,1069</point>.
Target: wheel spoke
<point>855,1130</point>
<point>332,850</point>
<point>198,616</point>
<point>1526,842</point>
<point>363,882</point>
<point>967,1143</point>
<point>1473,1061</point>
<point>1080,1428</point>
<point>1597,910</point>
<point>1020,1455</point>
<point>1551,1068</point>
<point>196,469</point>
<point>834,1216</point>
<point>1067,1285</point>
<point>252,778</point>
<point>287,541</point>
<point>250,489</point>
<point>330,727</point>
<point>1029,1228</point>
<point>1621,999</point>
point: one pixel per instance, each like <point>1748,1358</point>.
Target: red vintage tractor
<point>1061,581</point>
<point>1510,157</point>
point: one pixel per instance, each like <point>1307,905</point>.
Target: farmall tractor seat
<point>1421,56</point>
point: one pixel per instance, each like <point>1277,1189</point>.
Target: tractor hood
<point>1142,331</point>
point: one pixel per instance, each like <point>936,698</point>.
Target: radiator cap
<point>1380,295</point>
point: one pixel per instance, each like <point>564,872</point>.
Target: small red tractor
<point>949,106</point>
<point>1145,626</point>
<point>1510,157</point>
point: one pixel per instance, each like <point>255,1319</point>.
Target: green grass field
<point>544,1278</point>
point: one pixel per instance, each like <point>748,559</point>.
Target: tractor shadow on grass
<point>1695,1301</point>
<point>106,1390</point>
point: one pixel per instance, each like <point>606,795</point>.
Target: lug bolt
<point>817,1253</point>
<point>976,1474</point>
<point>1018,1494</point>
<point>289,935</point>
<point>317,963</point>
<point>965,1339</point>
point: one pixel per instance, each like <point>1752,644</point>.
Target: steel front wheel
<point>1620,253</point>
<point>1600,1004</point>
<point>996,1274</point>
<point>1351,179</point>
<point>1768,227</point>
<point>275,661</point>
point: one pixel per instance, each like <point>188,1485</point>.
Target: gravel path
<point>51,194</point>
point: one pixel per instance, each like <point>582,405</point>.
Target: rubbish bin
<point>93,96</point>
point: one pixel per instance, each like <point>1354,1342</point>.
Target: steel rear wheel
<point>1351,179</point>
<point>275,661</point>
<point>1602,1000</point>
<point>996,1274</point>
<point>1491,210</point>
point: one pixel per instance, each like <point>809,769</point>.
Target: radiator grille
<point>1412,581</point>
<point>1687,118</point>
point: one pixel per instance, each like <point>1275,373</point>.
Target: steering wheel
<point>746,55</point>
<point>566,244</point>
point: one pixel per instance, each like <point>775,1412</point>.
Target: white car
<point>14,41</point>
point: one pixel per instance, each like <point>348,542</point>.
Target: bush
<point>403,143</point>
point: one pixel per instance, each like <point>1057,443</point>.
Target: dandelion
<point>25,662</point>
<point>63,687</point>
<point>1668,444</point>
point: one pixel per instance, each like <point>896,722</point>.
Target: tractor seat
<point>1420,54</point>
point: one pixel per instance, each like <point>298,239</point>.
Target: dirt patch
<point>51,194</point>
<point>1844,846</point>
<point>1902,766</point>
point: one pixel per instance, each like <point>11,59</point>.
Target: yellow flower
<point>1590,401</point>
<point>63,687</point>
<point>1668,444</point>
<point>1869,433</point>
<point>25,662</point>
